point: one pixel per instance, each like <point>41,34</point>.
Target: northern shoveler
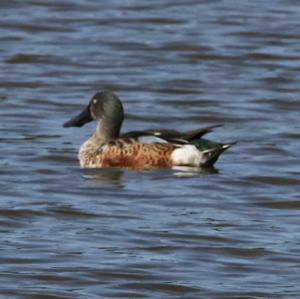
<point>139,149</point>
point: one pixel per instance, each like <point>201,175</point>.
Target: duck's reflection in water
<point>111,176</point>
<point>186,171</point>
<point>114,176</point>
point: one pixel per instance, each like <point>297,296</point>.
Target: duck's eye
<point>94,101</point>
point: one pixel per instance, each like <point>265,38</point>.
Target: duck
<point>153,148</point>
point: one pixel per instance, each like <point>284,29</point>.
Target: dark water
<point>70,233</point>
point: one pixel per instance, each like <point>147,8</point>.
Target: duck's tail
<point>211,151</point>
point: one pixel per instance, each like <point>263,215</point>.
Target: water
<point>110,233</point>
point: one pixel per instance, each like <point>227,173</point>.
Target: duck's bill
<point>79,120</point>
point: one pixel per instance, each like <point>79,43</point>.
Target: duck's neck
<point>107,130</point>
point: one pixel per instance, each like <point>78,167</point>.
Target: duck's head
<point>104,105</point>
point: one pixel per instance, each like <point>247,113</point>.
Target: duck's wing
<point>198,133</point>
<point>171,135</point>
<point>138,137</point>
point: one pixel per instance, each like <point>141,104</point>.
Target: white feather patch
<point>151,139</point>
<point>187,155</point>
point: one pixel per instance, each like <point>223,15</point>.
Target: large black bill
<point>79,120</point>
